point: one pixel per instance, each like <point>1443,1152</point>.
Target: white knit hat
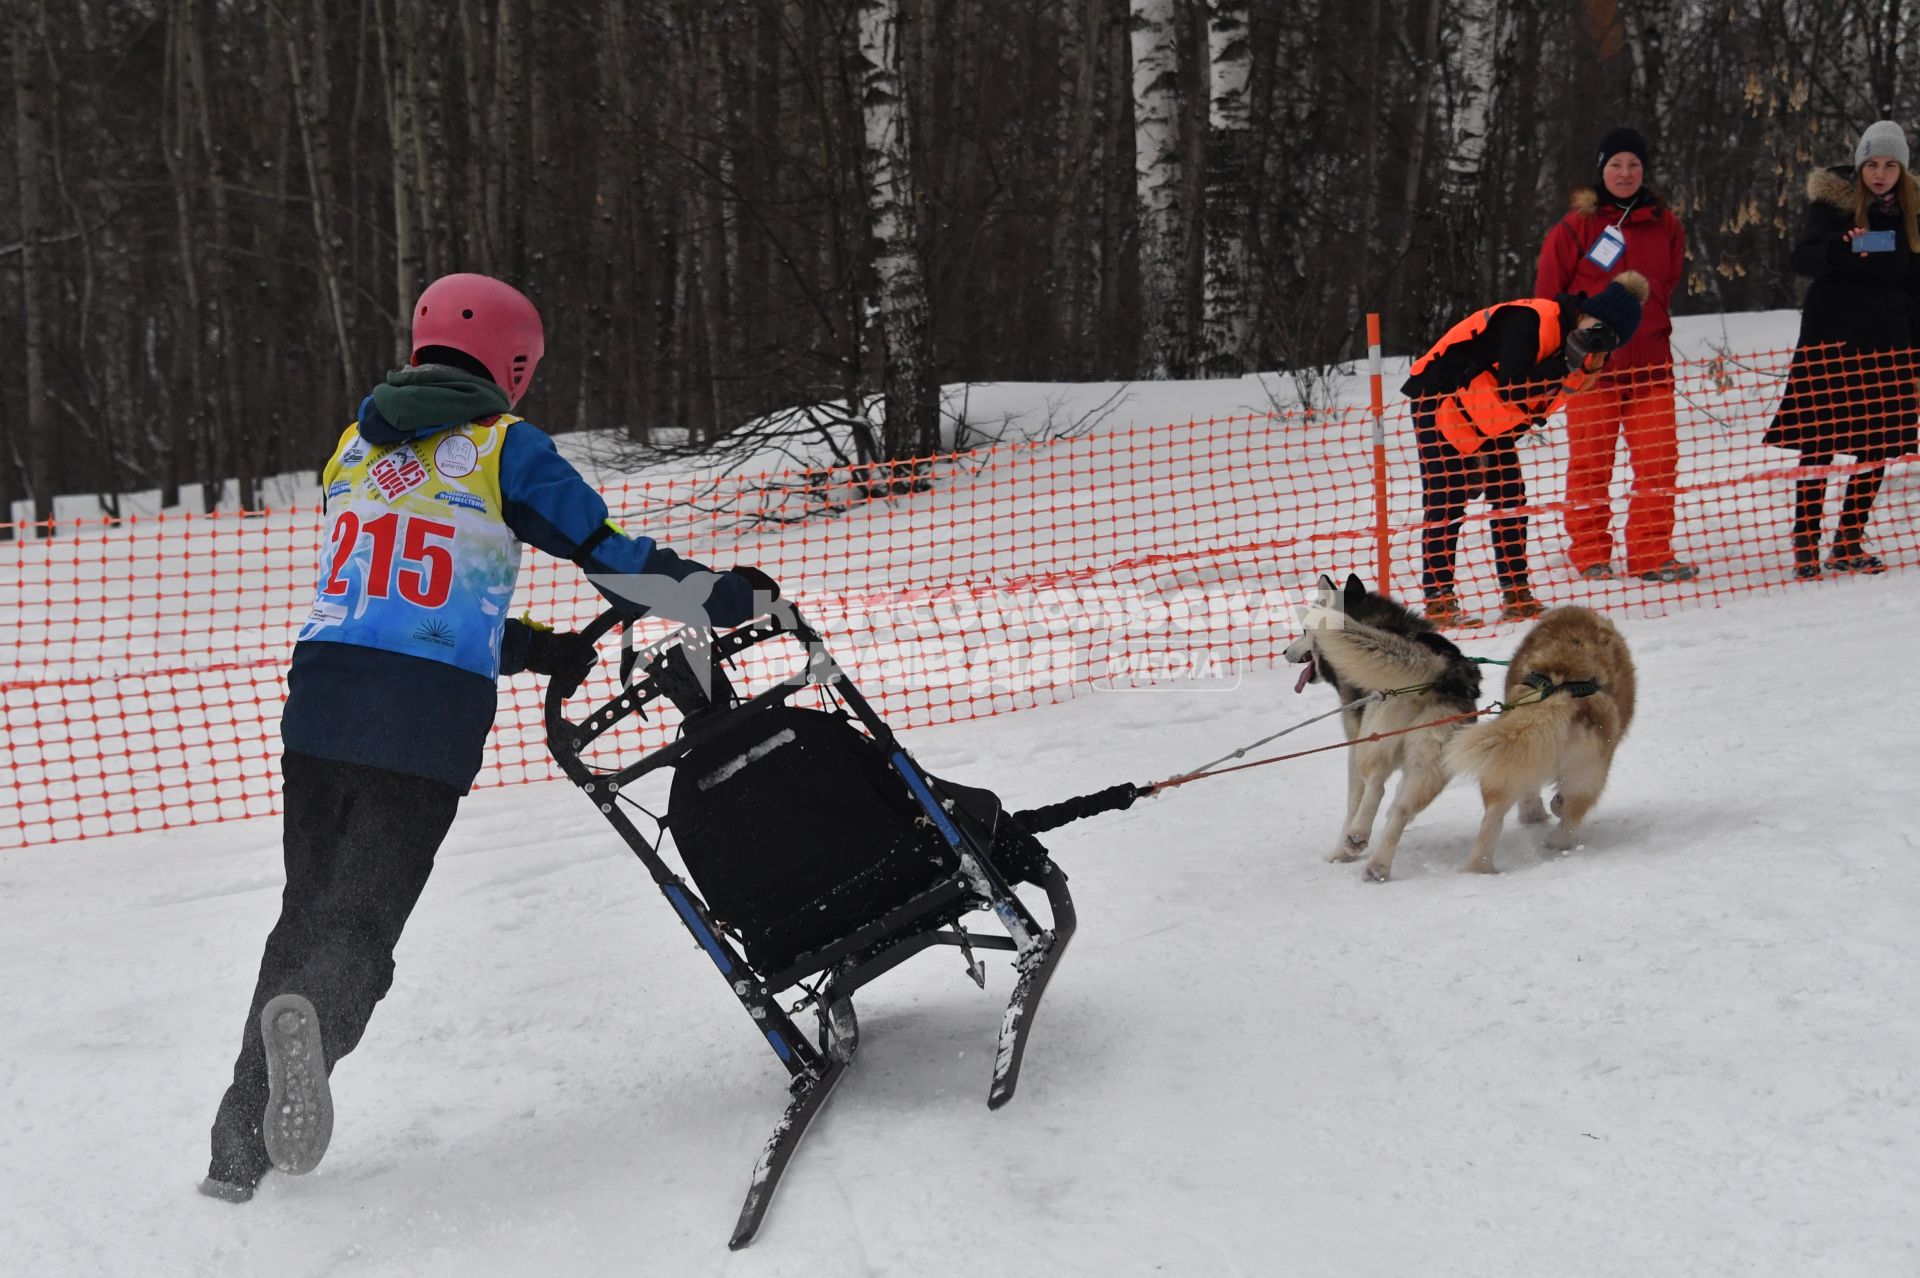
<point>1882,138</point>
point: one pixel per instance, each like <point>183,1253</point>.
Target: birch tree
<point>1226,305</point>
<point>1159,177</point>
<point>911,388</point>
<point>1464,259</point>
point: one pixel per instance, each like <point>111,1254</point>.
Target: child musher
<point>1501,371</point>
<point>392,689</point>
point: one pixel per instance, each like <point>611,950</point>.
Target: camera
<point>1596,340</point>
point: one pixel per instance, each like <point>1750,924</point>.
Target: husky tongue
<point>1306,675</point>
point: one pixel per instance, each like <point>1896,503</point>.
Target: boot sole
<point>226,1191</point>
<point>298,1121</point>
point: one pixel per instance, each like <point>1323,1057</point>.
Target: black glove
<point>758,582</point>
<point>564,657</point>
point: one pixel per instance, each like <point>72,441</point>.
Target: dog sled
<point>817,854</point>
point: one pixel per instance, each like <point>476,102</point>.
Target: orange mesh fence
<point>142,683</point>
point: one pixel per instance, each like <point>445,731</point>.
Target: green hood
<point>418,401</point>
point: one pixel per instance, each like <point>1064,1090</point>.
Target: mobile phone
<point>1873,242</point>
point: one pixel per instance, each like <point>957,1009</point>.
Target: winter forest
<point>221,209</point>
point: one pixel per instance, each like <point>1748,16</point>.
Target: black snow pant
<point>1448,482</point>
<point>359,844</point>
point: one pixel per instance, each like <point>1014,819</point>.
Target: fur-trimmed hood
<point>1834,187</point>
<point>1586,200</point>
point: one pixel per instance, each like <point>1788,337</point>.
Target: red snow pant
<point>1637,403</point>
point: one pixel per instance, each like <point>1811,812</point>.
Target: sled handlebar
<point>784,618</point>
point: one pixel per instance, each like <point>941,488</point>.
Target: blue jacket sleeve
<point>549,506</point>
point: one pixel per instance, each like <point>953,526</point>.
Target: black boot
<point>1809,501</point>
<point>1848,554</point>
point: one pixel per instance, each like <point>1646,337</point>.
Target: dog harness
<point>1572,687</point>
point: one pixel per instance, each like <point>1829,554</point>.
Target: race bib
<point>1607,249</point>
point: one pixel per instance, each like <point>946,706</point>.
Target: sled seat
<point>802,837</point>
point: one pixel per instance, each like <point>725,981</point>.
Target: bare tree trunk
<point>1159,178</point>
<point>1226,308</point>
<point>29,98</point>
<point>405,189</point>
<point>508,136</point>
<point>190,428</point>
<point>1362,298</point>
<point>1074,271</point>
<point>424,63</point>
<point>911,389</point>
<point>229,423</point>
<point>311,111</point>
<point>1425,72</point>
<point>478,107</point>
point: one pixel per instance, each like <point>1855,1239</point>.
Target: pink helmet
<point>480,316</point>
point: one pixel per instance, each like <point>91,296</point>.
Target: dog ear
<point>1356,589</point>
<point>1326,585</point>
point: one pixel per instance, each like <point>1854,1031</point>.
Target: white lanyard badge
<point>1607,249</point>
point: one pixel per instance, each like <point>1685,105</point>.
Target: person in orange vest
<point>1619,223</point>
<point>1495,374</point>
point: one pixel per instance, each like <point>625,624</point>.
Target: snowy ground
<point>1689,1049</point>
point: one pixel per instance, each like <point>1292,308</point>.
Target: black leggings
<point>1448,481</point>
<point>359,844</point>
<point>1809,504</point>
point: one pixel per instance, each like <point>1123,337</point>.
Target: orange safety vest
<point>1477,412</point>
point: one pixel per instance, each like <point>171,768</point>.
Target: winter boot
<point>1854,559</point>
<point>1443,610</point>
<point>227,1191</point>
<point>1672,570</point>
<point>298,1121</point>
<point>1520,604</point>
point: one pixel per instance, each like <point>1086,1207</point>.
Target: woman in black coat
<point>1850,390</point>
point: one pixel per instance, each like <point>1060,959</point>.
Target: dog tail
<point>1378,660</point>
<point>1518,750</point>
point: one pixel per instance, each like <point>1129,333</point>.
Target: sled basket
<point>799,834</point>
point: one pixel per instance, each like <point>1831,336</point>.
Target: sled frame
<point>816,1064</point>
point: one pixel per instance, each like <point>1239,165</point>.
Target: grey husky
<point>1361,643</point>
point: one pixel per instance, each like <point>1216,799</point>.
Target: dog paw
<point>1376,873</point>
<point>1559,803</point>
<point>1533,812</point>
<point>1479,867</point>
<point>1349,849</point>
<point>1561,840</point>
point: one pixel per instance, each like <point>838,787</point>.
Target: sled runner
<point>821,855</point>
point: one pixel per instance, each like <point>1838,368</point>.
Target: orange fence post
<point>1383,567</point>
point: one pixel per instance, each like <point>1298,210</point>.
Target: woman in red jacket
<point>1621,223</point>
